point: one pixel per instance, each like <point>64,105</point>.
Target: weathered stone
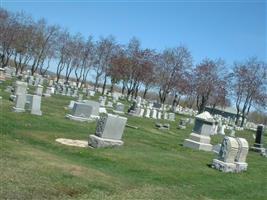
<point>200,137</point>
<point>20,102</point>
<point>111,126</point>
<point>20,88</point>
<point>109,131</point>
<point>36,105</point>
<point>227,155</point>
<point>39,90</point>
<point>98,142</point>
<point>119,108</point>
<point>81,112</point>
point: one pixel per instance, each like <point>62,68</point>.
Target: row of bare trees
<point>35,44</point>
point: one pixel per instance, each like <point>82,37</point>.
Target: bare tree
<point>171,65</point>
<point>249,86</point>
<point>207,79</point>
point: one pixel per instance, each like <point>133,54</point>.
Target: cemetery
<point>98,118</point>
<point>77,159</point>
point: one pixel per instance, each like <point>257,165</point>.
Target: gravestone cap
<point>205,116</point>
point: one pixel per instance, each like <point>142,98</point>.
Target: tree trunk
<point>145,92</point>
<point>104,85</point>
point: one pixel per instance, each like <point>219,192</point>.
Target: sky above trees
<point>232,30</point>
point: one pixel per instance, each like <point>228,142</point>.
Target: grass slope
<point>152,164</point>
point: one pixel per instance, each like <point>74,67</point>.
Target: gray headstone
<point>111,127</point>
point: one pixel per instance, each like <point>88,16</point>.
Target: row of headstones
<point>24,101</point>
<point>184,111</point>
<point>153,113</point>
<point>66,90</point>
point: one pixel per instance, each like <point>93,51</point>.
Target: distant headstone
<point>80,112</point>
<point>147,114</point>
<point>20,102</point>
<point>258,145</point>
<point>221,129</point>
<point>154,114</point>
<point>182,124</point>
<point>200,137</point>
<point>157,105</point>
<point>48,92</point>
<point>21,87</point>
<point>119,108</point>
<point>36,105</point>
<point>159,115</point>
<point>110,104</point>
<point>171,116</point>
<point>95,108</point>
<point>39,90</point>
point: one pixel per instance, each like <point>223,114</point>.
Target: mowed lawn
<point>152,164</point>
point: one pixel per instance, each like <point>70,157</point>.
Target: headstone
<point>75,93</point>
<point>110,104</point>
<point>172,116</point>
<point>28,104</point>
<point>227,155</point>
<point>258,145</point>
<point>154,114</point>
<point>2,74</point>
<point>20,102</point>
<point>221,130</point>
<point>147,115</point>
<point>159,115</point>
<point>232,133</point>
<point>165,116</point>
<point>141,114</point>
<point>68,92</point>
<point>36,105</point>
<point>138,101</point>
<point>39,90</point>
<point>157,105</point>
<point>80,97</point>
<point>182,124</point>
<point>241,156</point>
<point>48,92</point>
<point>119,108</point>
<point>109,131</point>
<point>200,137</point>
<point>70,106</point>
<point>20,88</point>
<point>95,108</point>
<point>80,112</point>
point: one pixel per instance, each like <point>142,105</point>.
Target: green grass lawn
<point>152,164</point>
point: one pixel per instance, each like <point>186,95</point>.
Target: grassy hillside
<point>152,164</point>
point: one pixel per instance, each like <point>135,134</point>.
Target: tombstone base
<point>199,142</point>
<point>223,166</point>
<point>80,119</point>
<point>118,112</point>
<point>36,112</point>
<point>241,166</point>
<point>98,142</point>
<point>256,148</point>
<point>18,109</point>
<point>47,95</point>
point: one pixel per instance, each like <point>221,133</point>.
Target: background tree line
<point>36,44</point>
